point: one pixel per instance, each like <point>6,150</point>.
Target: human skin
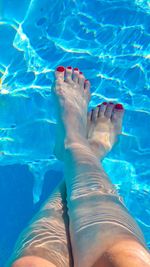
<point>102,232</point>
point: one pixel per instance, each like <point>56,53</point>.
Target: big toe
<point>117,117</point>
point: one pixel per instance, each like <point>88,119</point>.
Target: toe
<point>87,85</point>
<point>87,89</point>
<point>89,115</point>
<point>59,73</point>
<point>76,75</point>
<point>81,80</point>
<point>117,116</point>
<point>94,114</point>
<point>68,74</point>
<point>109,109</point>
<point>102,109</point>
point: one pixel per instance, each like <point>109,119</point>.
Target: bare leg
<point>46,240</point>
<point>102,231</point>
<point>98,219</point>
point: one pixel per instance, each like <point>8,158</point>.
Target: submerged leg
<point>103,233</point>
<point>100,225</point>
<point>45,242</point>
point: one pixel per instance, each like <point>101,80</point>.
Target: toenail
<point>76,69</point>
<point>60,69</point>
<point>111,103</point>
<point>81,72</point>
<point>86,81</point>
<point>70,68</point>
<point>104,103</point>
<point>118,106</point>
<point>98,105</point>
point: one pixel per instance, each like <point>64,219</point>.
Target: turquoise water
<point>109,42</point>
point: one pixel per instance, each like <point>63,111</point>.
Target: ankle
<point>98,149</point>
<point>76,143</point>
<point>74,138</point>
<point>79,151</point>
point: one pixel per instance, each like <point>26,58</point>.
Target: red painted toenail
<point>76,69</point>
<point>104,103</point>
<point>86,81</point>
<point>70,68</point>
<point>81,72</point>
<point>98,105</point>
<point>118,106</point>
<point>60,69</point>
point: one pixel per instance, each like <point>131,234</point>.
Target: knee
<point>32,261</point>
<point>130,250</point>
<point>124,253</point>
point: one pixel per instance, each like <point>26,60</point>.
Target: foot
<point>72,94</point>
<point>104,124</point>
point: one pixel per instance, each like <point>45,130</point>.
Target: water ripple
<point>110,42</point>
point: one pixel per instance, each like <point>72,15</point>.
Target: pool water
<point>110,42</point>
